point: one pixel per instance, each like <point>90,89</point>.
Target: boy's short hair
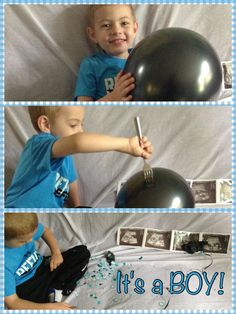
<point>36,111</point>
<point>94,7</point>
<point>19,224</point>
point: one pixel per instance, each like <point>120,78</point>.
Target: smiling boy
<point>113,29</point>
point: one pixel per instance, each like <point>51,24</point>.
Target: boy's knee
<point>81,250</point>
<point>86,252</point>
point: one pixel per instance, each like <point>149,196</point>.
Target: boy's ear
<point>135,27</point>
<point>43,124</point>
<point>91,34</point>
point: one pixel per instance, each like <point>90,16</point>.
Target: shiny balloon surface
<point>168,190</point>
<point>174,64</point>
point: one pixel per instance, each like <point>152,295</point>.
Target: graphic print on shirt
<point>28,264</point>
<point>61,187</point>
<point>109,84</point>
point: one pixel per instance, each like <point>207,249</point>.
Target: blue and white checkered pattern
<point>145,210</point>
<point>233,162</point>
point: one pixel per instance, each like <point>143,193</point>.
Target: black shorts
<point>64,277</point>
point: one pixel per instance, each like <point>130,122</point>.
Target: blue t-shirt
<point>21,263</point>
<point>39,180</point>
<point>96,77</point>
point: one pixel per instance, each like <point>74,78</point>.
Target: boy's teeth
<point>118,40</point>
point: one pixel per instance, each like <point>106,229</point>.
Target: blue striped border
<point>120,210</point>
<point>123,311</point>
<point>118,2</point>
<point>119,103</point>
<point>233,163</point>
<point>111,210</point>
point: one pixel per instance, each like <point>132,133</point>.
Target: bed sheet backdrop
<point>193,141</point>
<point>97,290</point>
<point>44,44</point>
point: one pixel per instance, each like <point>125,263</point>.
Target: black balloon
<point>168,190</point>
<point>174,64</point>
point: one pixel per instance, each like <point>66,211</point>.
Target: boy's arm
<point>73,200</point>
<point>88,143</point>
<point>56,257</point>
<point>91,143</point>
<point>84,98</point>
<point>13,302</point>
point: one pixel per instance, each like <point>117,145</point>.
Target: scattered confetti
<point>96,279</point>
<point>101,280</point>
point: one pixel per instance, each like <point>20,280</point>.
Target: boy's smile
<point>114,29</point>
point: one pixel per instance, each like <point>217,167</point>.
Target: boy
<point>45,176</point>
<point>113,28</point>
<point>30,276</point>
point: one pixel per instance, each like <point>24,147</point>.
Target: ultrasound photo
<point>157,239</point>
<point>130,236</point>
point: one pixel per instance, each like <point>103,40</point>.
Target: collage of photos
<point>117,132</point>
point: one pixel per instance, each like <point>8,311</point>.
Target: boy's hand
<point>124,84</point>
<point>56,260</point>
<point>56,257</point>
<point>140,148</point>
